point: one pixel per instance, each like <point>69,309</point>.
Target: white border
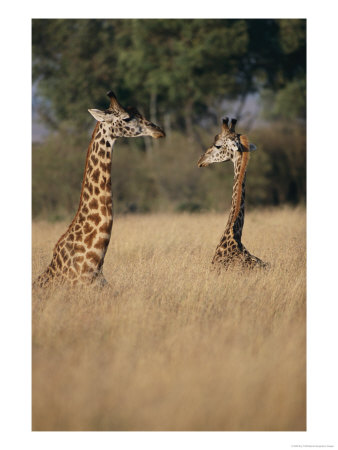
<point>16,228</point>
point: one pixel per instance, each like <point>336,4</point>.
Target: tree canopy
<point>183,74</point>
<point>178,66</point>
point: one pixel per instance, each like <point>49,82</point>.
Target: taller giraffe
<point>228,145</point>
<point>79,253</point>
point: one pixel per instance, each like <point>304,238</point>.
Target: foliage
<point>182,74</point>
<point>170,178</point>
<point>179,67</point>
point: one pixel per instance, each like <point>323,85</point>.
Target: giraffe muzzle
<point>158,133</point>
<point>202,161</point>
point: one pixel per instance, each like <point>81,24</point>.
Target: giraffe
<point>228,145</point>
<point>79,253</point>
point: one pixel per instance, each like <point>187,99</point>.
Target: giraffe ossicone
<point>78,255</point>
<point>231,146</point>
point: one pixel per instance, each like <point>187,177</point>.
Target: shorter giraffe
<point>228,145</point>
<point>79,253</point>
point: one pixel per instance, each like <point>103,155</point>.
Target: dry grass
<point>170,345</point>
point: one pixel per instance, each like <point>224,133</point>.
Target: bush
<point>163,175</point>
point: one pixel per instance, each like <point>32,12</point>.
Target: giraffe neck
<point>87,238</point>
<point>236,215</point>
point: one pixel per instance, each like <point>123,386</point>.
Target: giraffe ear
<point>97,114</point>
<point>252,148</point>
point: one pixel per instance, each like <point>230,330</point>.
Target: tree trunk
<point>192,134</point>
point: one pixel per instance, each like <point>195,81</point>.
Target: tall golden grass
<point>170,345</point>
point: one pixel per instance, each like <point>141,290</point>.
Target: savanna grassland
<point>170,345</point>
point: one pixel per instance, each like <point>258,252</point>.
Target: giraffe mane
<point>245,159</point>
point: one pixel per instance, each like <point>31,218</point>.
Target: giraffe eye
<point>128,119</point>
<point>218,146</point>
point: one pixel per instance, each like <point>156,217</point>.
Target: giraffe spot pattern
<point>94,160</point>
<point>102,243</point>
<point>93,204</point>
<point>83,234</point>
<point>78,236</point>
<point>106,227</point>
<point>87,228</point>
<point>89,239</point>
<point>96,176</point>
<point>79,248</point>
<point>93,256</point>
<point>95,218</point>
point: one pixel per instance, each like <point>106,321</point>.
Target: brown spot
<point>81,218</point>
<point>106,200</point>
<point>106,167</point>
<point>63,254</point>
<point>69,245</point>
<point>86,268</point>
<point>101,153</point>
<point>79,248</point>
<point>77,227</point>
<point>107,144</point>
<point>87,228</point>
<point>108,187</point>
<point>102,243</point>
<point>78,235</point>
<point>94,257</point>
<point>107,154</point>
<point>65,270</point>
<point>85,210</point>
<point>95,160</point>
<point>79,259</point>
<point>89,239</point>
<point>98,135</point>
<point>95,176</point>
<point>103,199</point>
<point>76,266</point>
<point>106,227</point>
<point>58,261</point>
<point>103,210</point>
<point>93,204</point>
<point>96,190</point>
<point>90,188</point>
<point>71,237</point>
<point>102,141</point>
<point>94,218</point>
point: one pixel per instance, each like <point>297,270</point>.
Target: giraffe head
<point>125,122</point>
<point>227,145</point>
